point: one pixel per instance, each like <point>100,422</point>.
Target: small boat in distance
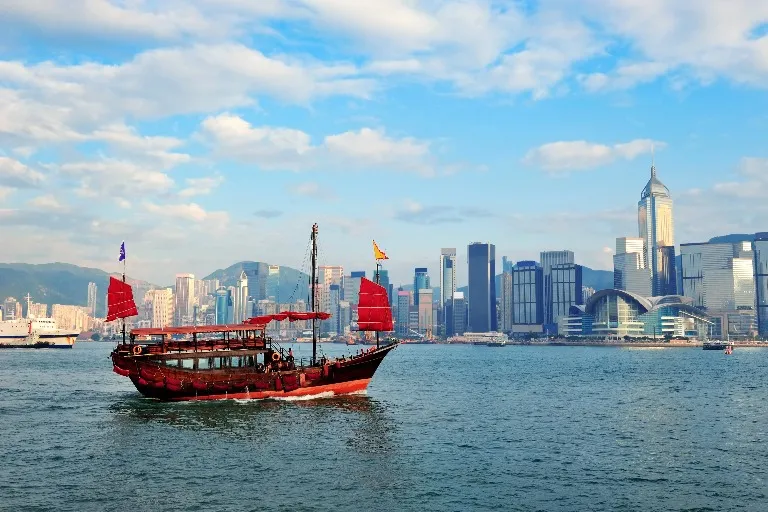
<point>491,339</point>
<point>238,361</point>
<point>714,345</point>
<point>728,350</point>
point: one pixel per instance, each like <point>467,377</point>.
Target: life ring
<point>137,350</point>
<point>275,356</point>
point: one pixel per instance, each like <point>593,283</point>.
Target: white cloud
<point>201,186</point>
<point>124,140</point>
<point>46,203</point>
<point>187,212</point>
<point>5,192</point>
<point>107,20</point>
<point>580,154</point>
<point>114,179</point>
<point>15,174</point>
<point>273,148</point>
<point>702,40</point>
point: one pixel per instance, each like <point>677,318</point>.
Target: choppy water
<point>442,428</point>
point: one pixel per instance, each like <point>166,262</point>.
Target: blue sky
<point>207,132</point>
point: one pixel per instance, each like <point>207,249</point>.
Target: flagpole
<point>124,262</point>
<point>378,266</point>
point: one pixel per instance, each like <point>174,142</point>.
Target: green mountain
<point>293,284</point>
<point>58,283</point>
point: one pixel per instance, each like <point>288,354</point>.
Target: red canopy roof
<point>291,316</point>
<point>120,300</point>
<point>199,329</point>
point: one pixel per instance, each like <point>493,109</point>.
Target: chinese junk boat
<point>239,361</point>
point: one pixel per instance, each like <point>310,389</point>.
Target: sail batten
<point>120,302</point>
<point>373,310</point>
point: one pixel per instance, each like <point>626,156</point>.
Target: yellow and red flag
<point>378,253</point>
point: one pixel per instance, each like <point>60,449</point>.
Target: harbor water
<point>441,428</point>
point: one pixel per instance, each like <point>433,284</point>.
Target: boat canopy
<point>197,329</point>
<point>291,316</point>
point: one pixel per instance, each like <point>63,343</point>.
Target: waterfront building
<point>720,279</point>
<point>656,228</point>
<point>481,260</point>
<point>424,307</point>
<point>760,250</point>
<point>11,309</point>
<point>328,275</point>
<point>332,325</point>
<point>71,317</point>
<point>420,282</point>
<point>527,297</point>
<point>403,307</point>
<point>506,303</point>
<point>161,311</point>
<point>587,292</point>
<point>548,260</point>
<point>566,279</point>
<point>630,272</point>
<point>37,310</point>
<point>447,275</point>
<point>92,290</point>
<point>185,297</point>
<point>456,311</point>
<point>617,314</point>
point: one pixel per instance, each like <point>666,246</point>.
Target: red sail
<point>120,300</point>
<point>291,316</point>
<point>373,311</point>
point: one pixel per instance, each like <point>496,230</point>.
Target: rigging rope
<point>301,271</point>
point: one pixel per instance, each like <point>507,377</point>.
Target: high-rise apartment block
<point>629,269</point>
<point>92,290</point>
<point>185,299</point>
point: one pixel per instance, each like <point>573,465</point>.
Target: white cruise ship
<point>35,333</point>
<point>494,339</point>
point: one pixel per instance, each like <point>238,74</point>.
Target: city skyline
<point>529,126</point>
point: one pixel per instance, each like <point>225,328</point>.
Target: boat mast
<point>378,266</point>
<point>313,291</point>
<point>123,317</point>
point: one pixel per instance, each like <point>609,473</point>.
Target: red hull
<point>154,378</point>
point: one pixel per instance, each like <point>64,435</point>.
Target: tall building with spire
<point>656,228</point>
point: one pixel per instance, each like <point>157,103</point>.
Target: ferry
<point>491,339</point>
<point>33,332</point>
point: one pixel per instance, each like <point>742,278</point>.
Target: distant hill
<point>294,284</point>
<point>58,283</point>
<point>732,238</point>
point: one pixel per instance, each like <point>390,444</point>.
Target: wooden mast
<point>313,292</point>
<point>378,266</point>
<point>124,261</point>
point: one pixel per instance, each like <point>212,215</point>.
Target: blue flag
<point>122,252</point>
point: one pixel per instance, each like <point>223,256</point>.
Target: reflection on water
<point>364,418</point>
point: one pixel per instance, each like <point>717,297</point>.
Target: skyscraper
<point>92,299</point>
<point>566,289</point>
<point>481,260</point>
<point>425,311</point>
<point>185,298</point>
<point>272,287</point>
<point>403,310</point>
<point>420,282</point>
<point>352,287</point>
<point>223,306</point>
<point>656,228</point>
<point>527,297</point>
<point>240,298</point>
<point>760,249</point>
<point>548,260</point>
<point>447,275</point>
<point>629,270</point>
